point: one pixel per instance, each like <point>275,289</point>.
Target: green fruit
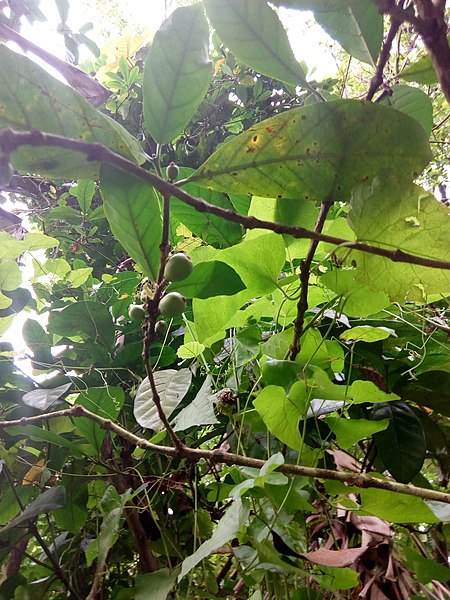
<point>172,171</point>
<point>178,267</point>
<point>6,172</point>
<point>161,329</point>
<point>136,312</point>
<point>172,305</point>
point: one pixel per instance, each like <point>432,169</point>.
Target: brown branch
<point>385,53</point>
<point>153,312</point>
<point>432,28</point>
<point>219,457</point>
<point>305,269</point>
<point>10,140</point>
<point>429,22</point>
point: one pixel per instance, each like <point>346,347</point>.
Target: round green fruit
<point>172,305</point>
<point>161,329</point>
<point>136,312</point>
<point>178,267</point>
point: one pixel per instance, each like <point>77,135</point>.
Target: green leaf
<point>53,107</point>
<point>105,402</point>
<point>318,151</point>
<point>42,399</point>
<point>177,73</point>
<point>431,389</point>
<point>425,569</point>
<point>366,391</point>
<point>79,276</point>
<point>74,515</point>
<point>38,434</point>
<point>235,517</point>
<point>421,71</point>
<point>366,333</point>
<point>10,275</point>
<point>281,414</point>
<point>255,34</point>
<point>214,230</point>
<point>156,585</point>
<point>398,214</point>
<point>394,507</point>
<point>133,210</point>
<point>172,386</point>
<point>413,102</point>
<point>402,446</point>
<point>360,300</point>
<point>350,431</point>
<point>358,27</point>
<point>84,192</point>
<point>47,501</point>
<point>209,279</point>
<point>200,411</point>
<point>319,5</point>
<point>90,320</point>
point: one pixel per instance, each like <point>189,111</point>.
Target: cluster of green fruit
<point>178,267</point>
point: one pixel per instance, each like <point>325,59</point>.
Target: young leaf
<point>177,73</point>
<point>172,386</point>
<point>254,33</point>
<point>396,508</point>
<point>318,151</point>
<point>133,211</point>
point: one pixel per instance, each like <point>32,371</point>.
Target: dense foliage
<point>233,283</point>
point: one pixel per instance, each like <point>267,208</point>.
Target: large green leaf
<point>227,528</point>
<point>281,414</point>
<point>31,99</point>
<point>320,5</point>
<point>177,73</point>
<point>134,214</point>
<point>318,151</point>
<point>398,214</point>
<point>254,33</point>
<point>402,445</point>
<point>74,515</point>
<point>46,502</point>
<point>209,279</point>
<point>214,230</point>
<point>90,320</point>
<point>413,102</point>
<point>160,583</point>
<point>358,27</point>
<point>105,402</point>
<point>171,385</point>
<point>394,507</point>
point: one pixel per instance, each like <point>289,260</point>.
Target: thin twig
<point>385,53</point>
<point>10,140</point>
<point>228,458</point>
<point>153,312</point>
<point>305,269</point>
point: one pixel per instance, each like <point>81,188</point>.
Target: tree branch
<point>377,79</point>
<point>10,140</point>
<point>217,456</point>
<point>305,269</point>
